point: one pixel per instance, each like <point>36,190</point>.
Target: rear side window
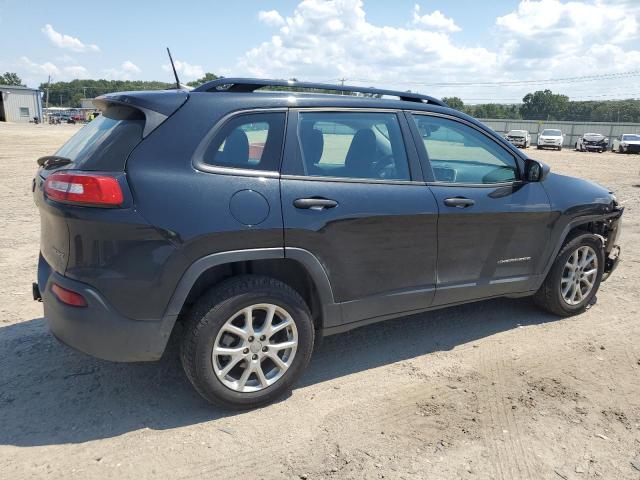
<point>250,141</point>
<point>106,142</point>
<point>365,145</point>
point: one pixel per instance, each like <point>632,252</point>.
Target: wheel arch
<point>592,224</point>
<point>298,268</point>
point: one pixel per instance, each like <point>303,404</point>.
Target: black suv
<point>262,221</point>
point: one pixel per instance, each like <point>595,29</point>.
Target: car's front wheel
<point>247,341</point>
<point>574,277</point>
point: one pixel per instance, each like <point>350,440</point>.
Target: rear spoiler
<point>156,105</point>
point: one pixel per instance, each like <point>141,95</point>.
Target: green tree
<point>454,102</point>
<point>11,78</point>
<point>207,78</point>
<point>69,94</point>
<point>544,105</point>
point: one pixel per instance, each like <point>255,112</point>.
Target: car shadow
<point>50,394</point>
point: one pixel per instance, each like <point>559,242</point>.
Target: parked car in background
<point>627,143</point>
<point>550,138</point>
<point>520,138</point>
<point>263,222</point>
<point>592,142</point>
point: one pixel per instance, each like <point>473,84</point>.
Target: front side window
<point>367,145</point>
<point>250,141</point>
<point>459,153</point>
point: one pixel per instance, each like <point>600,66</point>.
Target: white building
<point>19,104</point>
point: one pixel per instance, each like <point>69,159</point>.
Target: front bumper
<point>518,142</point>
<point>611,262</point>
<point>594,147</point>
<point>98,329</point>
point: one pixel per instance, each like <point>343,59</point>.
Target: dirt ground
<point>494,390</point>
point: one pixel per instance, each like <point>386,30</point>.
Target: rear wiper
<point>51,161</point>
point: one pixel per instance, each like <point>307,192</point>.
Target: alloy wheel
<point>579,275</point>
<point>255,347</point>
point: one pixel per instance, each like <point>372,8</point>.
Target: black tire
<point>538,147</point>
<point>211,312</point>
<point>559,148</point>
<point>549,296</point>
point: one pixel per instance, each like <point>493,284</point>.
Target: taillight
<point>83,188</point>
<point>67,296</point>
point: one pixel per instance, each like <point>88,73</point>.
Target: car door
<point>353,196</point>
<point>493,227</point>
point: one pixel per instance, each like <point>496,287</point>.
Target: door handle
<point>314,203</point>
<point>458,202</point>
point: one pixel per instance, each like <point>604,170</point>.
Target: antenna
<point>174,69</point>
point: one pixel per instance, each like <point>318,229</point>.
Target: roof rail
<point>252,84</point>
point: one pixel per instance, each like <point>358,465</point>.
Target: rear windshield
<point>105,142</point>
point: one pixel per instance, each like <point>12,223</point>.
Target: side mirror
<point>535,171</point>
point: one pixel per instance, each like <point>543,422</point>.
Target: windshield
<point>551,133</point>
<point>631,138</point>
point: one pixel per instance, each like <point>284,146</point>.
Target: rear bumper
<point>98,329</point>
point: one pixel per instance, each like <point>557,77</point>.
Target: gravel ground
<point>495,390</point>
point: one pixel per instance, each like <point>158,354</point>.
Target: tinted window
<point>105,143</point>
<point>252,141</point>
<point>461,154</point>
<point>352,145</point>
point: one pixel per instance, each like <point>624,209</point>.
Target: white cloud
<point>569,38</point>
<point>129,66</point>
<point>125,72</point>
<point>271,18</point>
<point>186,70</point>
<point>539,39</point>
<point>333,39</point>
<point>435,20</point>
<point>59,73</point>
<point>68,42</point>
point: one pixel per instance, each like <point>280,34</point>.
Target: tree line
<point>546,105</point>
<point>539,105</point>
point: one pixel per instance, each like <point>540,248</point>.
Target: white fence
<point>571,130</point>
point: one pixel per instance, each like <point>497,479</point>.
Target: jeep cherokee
<point>261,221</point>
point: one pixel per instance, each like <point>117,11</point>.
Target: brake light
<point>83,188</point>
<point>67,296</point>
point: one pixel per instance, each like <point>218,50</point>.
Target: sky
<point>481,51</point>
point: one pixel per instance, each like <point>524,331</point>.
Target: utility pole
<point>342,84</point>
<point>48,86</point>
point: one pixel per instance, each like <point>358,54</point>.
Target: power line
<point>583,78</point>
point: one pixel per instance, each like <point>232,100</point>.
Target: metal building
<point>20,104</point>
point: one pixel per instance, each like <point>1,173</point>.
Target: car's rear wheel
<point>247,341</point>
<point>574,278</point>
